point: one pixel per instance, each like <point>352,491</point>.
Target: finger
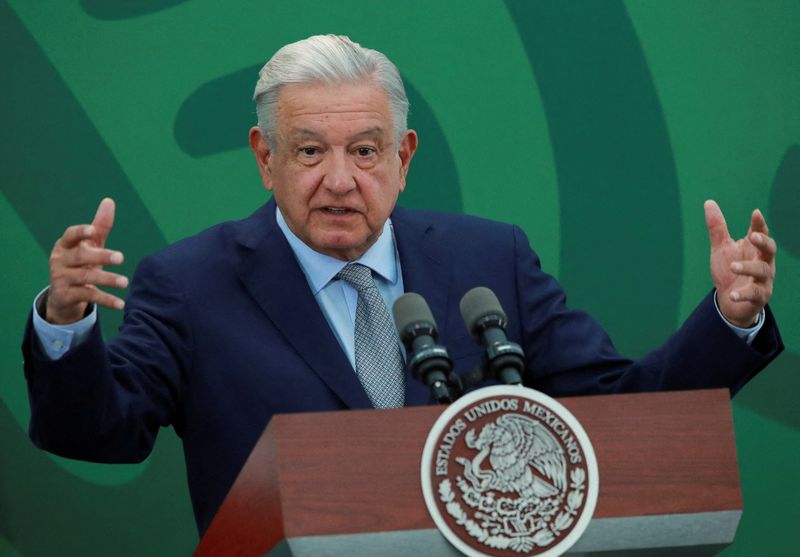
<point>715,223</point>
<point>91,295</point>
<point>754,293</point>
<point>758,223</point>
<point>74,235</point>
<point>759,270</point>
<point>103,220</point>
<point>765,245</point>
<point>85,254</point>
<point>88,276</point>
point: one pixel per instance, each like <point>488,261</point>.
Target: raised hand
<point>743,270</point>
<point>76,269</point>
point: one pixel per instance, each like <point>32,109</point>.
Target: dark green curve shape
<point>433,161</point>
<point>110,10</point>
<point>593,77</point>
<point>615,167</point>
<point>784,202</point>
<point>774,394</point>
<point>50,176</point>
<point>215,117</point>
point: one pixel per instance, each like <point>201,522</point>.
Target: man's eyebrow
<point>302,133</point>
<point>305,133</point>
<point>375,131</point>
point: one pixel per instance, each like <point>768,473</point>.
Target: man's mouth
<point>337,210</point>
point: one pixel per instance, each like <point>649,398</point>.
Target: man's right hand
<point>76,269</point>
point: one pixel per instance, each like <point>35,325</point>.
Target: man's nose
<point>339,173</point>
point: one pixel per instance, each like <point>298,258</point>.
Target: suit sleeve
<point>568,353</point>
<point>105,402</point>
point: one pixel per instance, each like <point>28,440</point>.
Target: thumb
<point>103,221</point>
<point>715,222</point>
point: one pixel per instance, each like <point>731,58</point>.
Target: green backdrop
<point>598,126</point>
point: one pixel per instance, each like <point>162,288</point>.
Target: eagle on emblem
<point>525,458</point>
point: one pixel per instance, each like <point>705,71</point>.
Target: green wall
<point>598,126</point>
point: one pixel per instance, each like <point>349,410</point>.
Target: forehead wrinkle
<point>293,107</point>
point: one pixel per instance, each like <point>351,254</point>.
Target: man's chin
<point>344,247</point>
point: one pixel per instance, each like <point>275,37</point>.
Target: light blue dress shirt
<point>336,298</point>
<point>55,340</point>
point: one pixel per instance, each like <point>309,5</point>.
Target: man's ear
<point>261,150</point>
<point>408,146</point>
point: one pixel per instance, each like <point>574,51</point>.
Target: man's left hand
<point>743,270</point>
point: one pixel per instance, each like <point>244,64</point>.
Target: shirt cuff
<point>56,340</point>
<point>747,334</point>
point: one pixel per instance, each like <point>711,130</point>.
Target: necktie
<point>379,364</point>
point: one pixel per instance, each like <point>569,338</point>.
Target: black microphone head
<point>411,310</point>
<point>478,303</point>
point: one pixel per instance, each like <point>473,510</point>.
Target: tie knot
<point>357,275</point>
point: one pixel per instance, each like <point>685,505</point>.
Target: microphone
<point>429,362</point>
<point>486,321</point>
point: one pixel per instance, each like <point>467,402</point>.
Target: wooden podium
<point>348,483</point>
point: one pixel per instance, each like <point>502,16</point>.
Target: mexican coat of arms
<point>509,471</point>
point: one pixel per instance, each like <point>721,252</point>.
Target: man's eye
<point>365,151</point>
<point>309,151</point>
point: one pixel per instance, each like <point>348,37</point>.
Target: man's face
<point>335,169</point>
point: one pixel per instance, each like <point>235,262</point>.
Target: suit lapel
<point>270,272</point>
<point>426,271</point>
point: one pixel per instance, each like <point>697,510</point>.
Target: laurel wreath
<point>541,538</point>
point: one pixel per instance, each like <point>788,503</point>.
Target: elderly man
<point>286,311</point>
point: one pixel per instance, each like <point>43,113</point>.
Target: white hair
<point>326,59</point>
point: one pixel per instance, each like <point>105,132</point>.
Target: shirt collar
<point>320,269</point>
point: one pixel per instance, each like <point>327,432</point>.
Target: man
<point>283,311</point>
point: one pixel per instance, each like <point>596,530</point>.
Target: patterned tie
<point>379,364</point>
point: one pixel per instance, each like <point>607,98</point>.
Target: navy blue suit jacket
<point>221,332</point>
